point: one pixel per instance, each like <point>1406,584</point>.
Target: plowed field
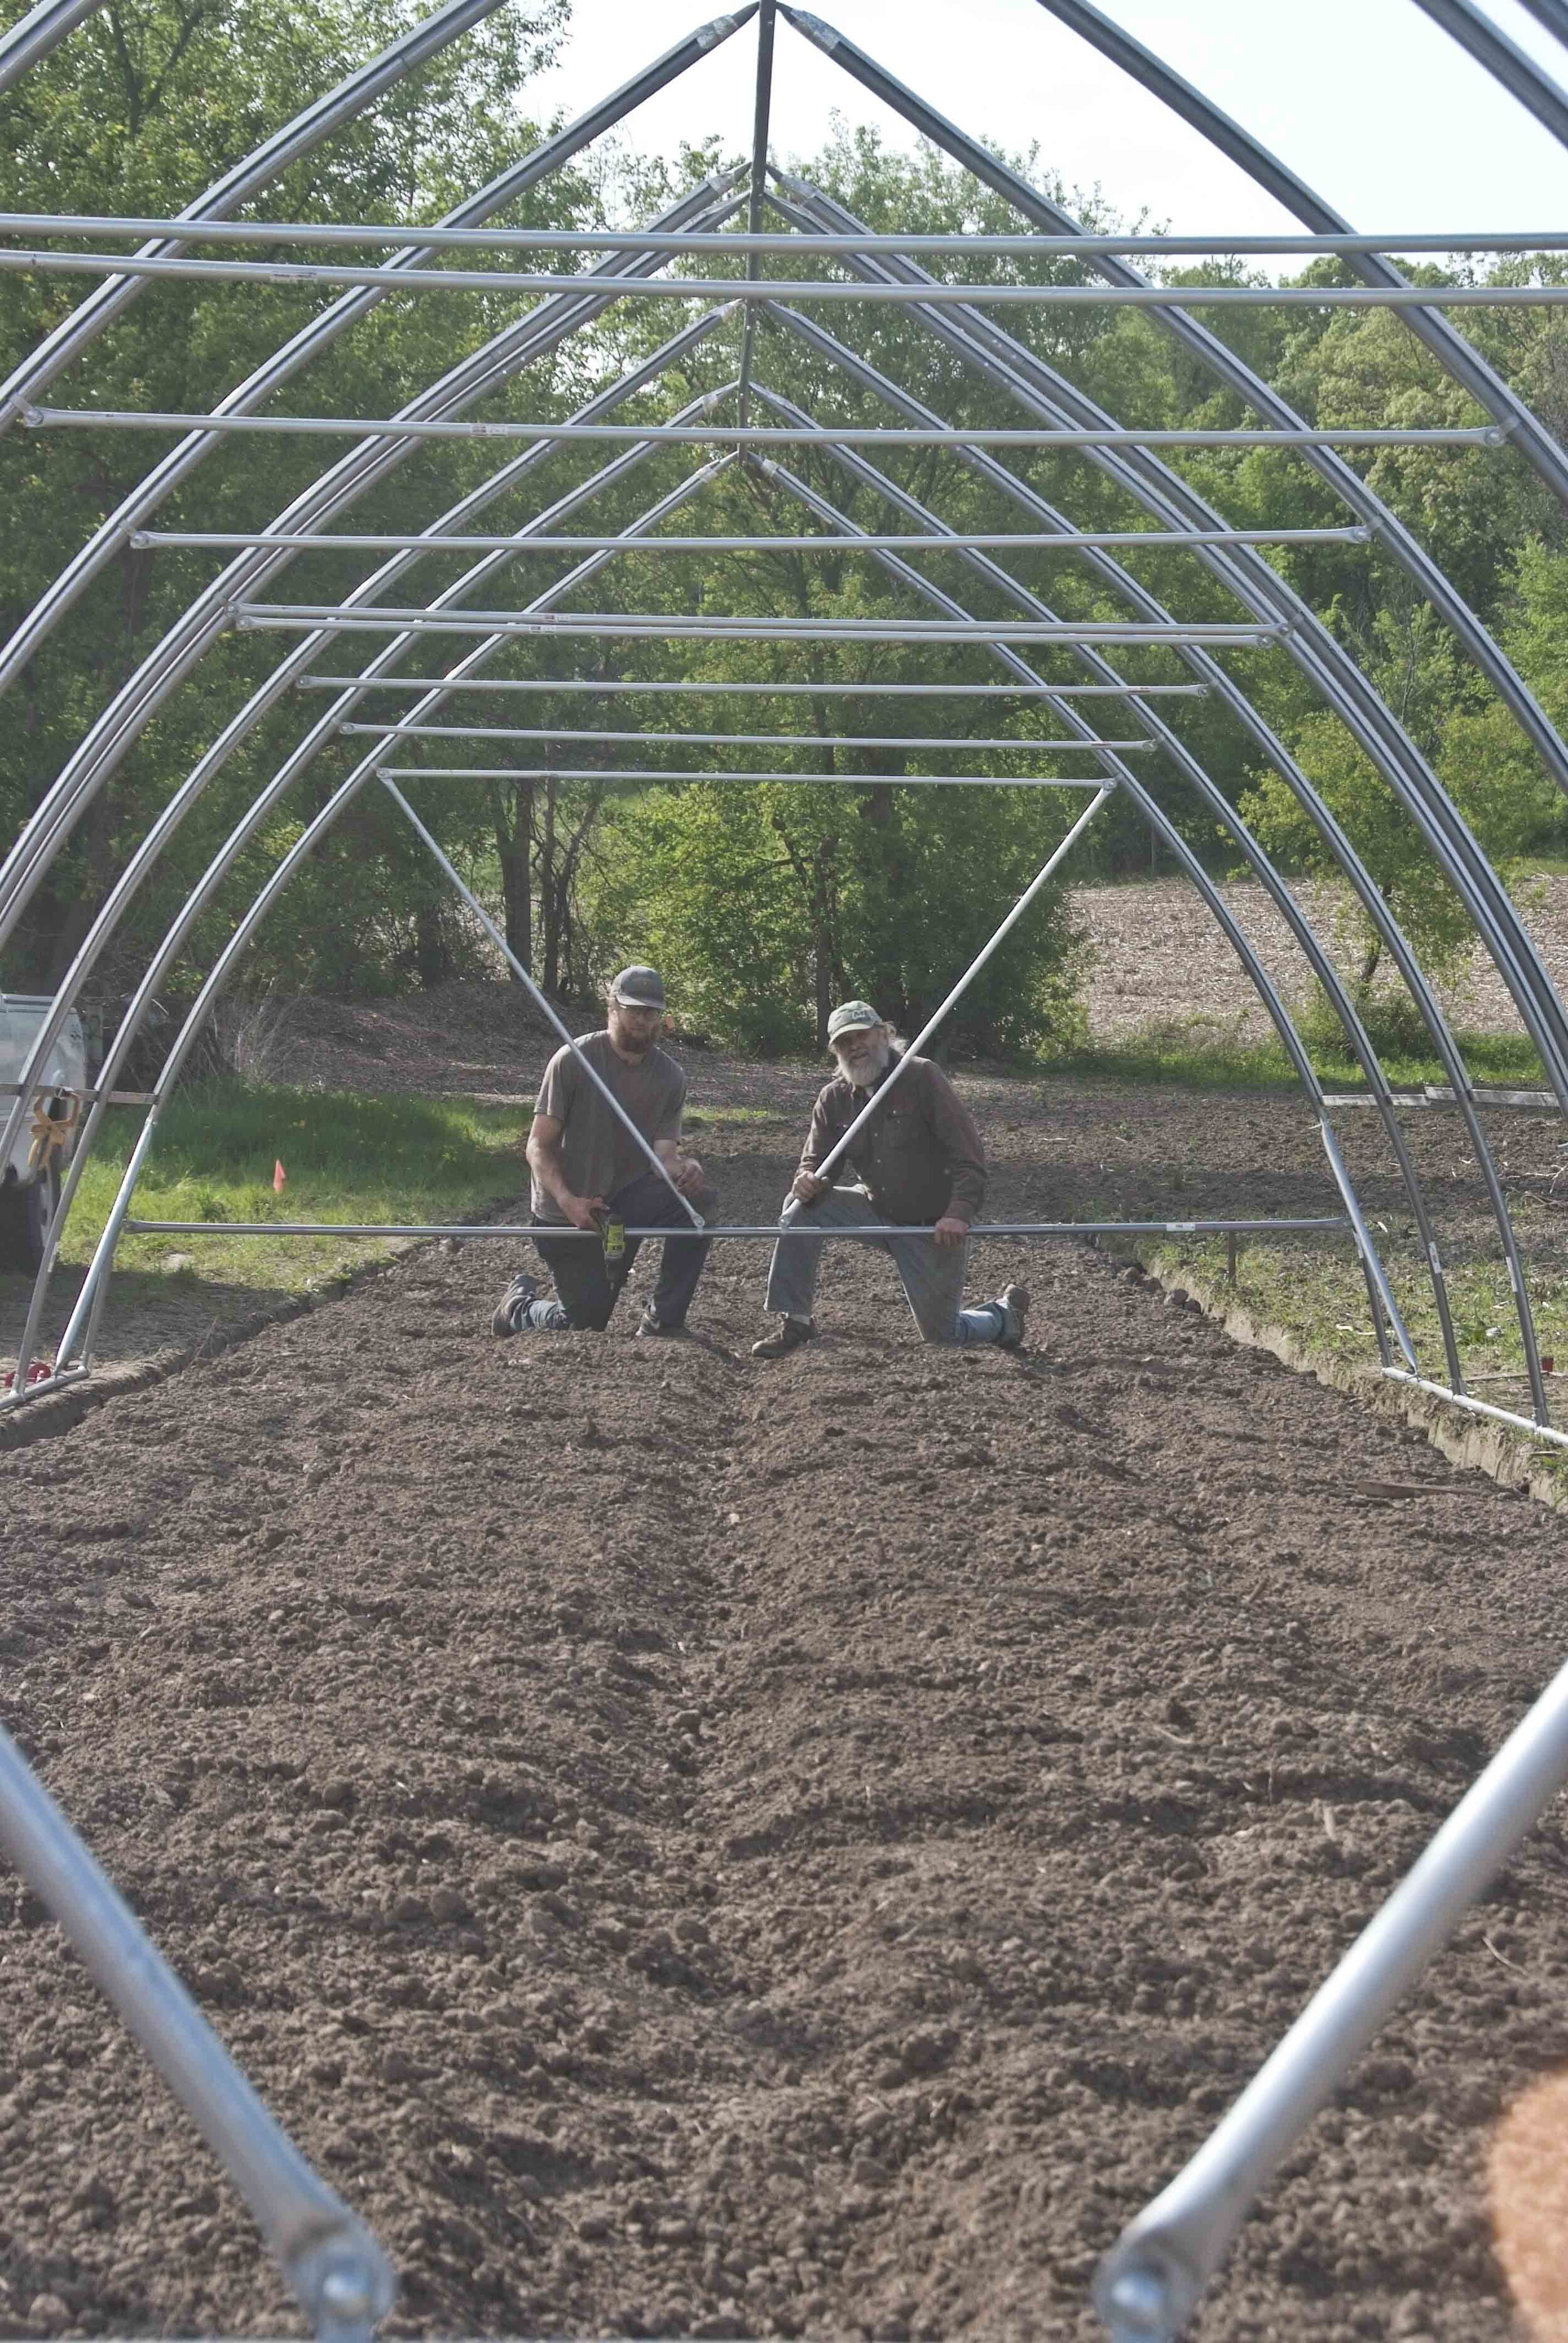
<point>695,1847</point>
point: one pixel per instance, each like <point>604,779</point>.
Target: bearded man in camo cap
<point>919,1161</point>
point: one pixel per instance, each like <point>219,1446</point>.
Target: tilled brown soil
<point>694,1847</point>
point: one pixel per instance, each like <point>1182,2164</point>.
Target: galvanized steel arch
<point>1339,683</point>
<point>1459,358</point>
<point>184,644</point>
<point>1504,60</point>
<point>292,767</point>
<point>320,333</point>
<point>1143,2294</point>
<point>238,185</point>
<point>1318,959</point>
<point>1375,725</point>
<point>990,349</point>
<point>1203,663</point>
<point>42,29</point>
<point>322,732</point>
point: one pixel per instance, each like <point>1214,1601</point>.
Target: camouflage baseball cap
<point>853,1017</point>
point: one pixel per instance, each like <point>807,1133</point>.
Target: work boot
<point>1013,1303</point>
<point>651,1323</point>
<point>792,1332</point>
<point>509,1314</point>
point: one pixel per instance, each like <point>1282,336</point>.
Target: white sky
<point>1367,100</point>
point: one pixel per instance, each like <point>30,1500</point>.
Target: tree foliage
<point>764,902</point>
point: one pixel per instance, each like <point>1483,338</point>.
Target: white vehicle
<point>30,1175</point>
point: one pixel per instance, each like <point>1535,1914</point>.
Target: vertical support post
<point>1230,1240</point>
<point>766,19</point>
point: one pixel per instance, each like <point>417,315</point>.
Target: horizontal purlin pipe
<point>736,435</point>
<point>148,540</point>
<point>809,781</point>
<point>725,739</point>
<point>702,688</point>
<point>258,617</point>
<point>743,241</point>
<point>465,1230</point>
<point>710,289</point>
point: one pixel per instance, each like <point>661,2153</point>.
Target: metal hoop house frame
<point>1150,2282</point>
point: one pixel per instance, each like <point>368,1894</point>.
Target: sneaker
<point>792,1332</point>
<point>648,1324</point>
<point>507,1315</point>
<point>1013,1303</point>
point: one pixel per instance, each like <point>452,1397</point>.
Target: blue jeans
<point>589,1289</point>
<point>931,1275</point>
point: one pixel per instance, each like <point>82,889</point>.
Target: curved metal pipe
<point>1517,71</point>
<point>1321,966</point>
<point>245,179</point>
<point>511,475</point>
<point>1030,501</point>
<point>200,896</point>
<point>184,643</point>
<point>1459,358</point>
<point>322,330</point>
<point>322,734</point>
<point>1553,14</point>
<point>1340,846</point>
<point>1455,353</point>
<point>41,30</point>
<point>1334,673</point>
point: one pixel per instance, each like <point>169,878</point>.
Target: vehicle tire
<point>26,1216</point>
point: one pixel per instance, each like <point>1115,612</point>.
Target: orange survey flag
<point>279,1176</point>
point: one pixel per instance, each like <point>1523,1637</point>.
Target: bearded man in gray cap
<point>919,1160</point>
<point>589,1173</point>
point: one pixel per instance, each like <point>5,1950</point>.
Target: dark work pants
<point>587,1287</point>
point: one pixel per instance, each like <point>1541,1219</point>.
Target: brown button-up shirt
<point>920,1156</point>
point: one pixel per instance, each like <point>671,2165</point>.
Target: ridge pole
<point>767,17</point>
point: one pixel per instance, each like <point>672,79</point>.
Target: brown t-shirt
<point>598,1154</point>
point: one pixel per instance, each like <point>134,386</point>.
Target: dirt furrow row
<point>694,1848</point>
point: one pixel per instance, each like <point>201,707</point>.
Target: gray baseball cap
<point>638,987</point>
<point>853,1017</point>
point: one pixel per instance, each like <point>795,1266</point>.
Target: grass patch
<point>347,1156</point>
<point>1314,1290</point>
<point>1193,1057</point>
